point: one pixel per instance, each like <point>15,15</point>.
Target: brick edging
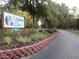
<point>17,53</point>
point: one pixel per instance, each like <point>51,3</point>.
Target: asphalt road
<point>65,46</point>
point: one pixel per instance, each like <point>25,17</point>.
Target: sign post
<point>0,21</point>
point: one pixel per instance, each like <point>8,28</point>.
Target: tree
<point>51,13</point>
<point>77,23</point>
<point>74,9</point>
<point>32,6</point>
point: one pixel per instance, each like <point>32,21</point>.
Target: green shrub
<point>29,40</point>
<point>50,30</point>
<point>37,36</point>
<point>7,40</point>
<point>23,39</point>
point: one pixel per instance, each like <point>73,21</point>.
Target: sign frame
<point>11,27</point>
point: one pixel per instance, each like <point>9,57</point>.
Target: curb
<point>17,53</point>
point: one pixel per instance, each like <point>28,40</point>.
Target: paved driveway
<point>65,46</point>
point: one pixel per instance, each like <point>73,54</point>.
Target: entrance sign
<point>12,21</point>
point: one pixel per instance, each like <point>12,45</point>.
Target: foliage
<point>27,36</point>
<point>28,19</point>
<point>77,23</point>
<point>37,36</point>
<point>7,40</point>
<point>36,9</point>
<point>52,14</point>
<point>22,39</point>
<point>29,39</point>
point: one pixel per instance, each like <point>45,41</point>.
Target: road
<point>64,46</point>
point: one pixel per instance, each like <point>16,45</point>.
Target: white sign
<point>13,21</point>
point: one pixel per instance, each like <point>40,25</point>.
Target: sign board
<point>12,21</point>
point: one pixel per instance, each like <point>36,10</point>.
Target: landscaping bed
<point>10,39</point>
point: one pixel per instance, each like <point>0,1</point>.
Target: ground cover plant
<point>10,39</point>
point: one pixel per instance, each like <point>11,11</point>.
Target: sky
<point>69,3</point>
<point>2,2</point>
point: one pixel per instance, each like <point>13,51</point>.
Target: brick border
<point>17,53</point>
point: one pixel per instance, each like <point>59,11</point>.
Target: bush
<point>29,40</point>
<point>37,36</point>
<point>28,19</point>
<point>50,30</point>
<point>7,40</point>
<point>23,39</point>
